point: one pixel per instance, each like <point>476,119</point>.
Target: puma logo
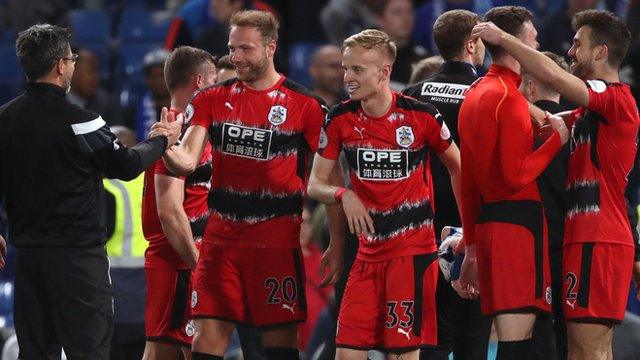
<point>359,131</point>
<point>405,333</point>
<point>571,303</point>
<point>227,104</point>
<point>289,307</point>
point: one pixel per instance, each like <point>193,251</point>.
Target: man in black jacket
<point>461,327</point>
<point>52,158</point>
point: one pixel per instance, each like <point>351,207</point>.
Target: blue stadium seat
<point>299,56</point>
<point>90,26</point>
<point>141,25</point>
<point>10,69</point>
<point>130,59</point>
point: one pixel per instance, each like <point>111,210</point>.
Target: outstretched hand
<point>168,126</point>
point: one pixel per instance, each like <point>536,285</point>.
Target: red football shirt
<point>496,146</point>
<point>603,147</point>
<point>387,159</point>
<point>160,254</point>
<point>261,141</point>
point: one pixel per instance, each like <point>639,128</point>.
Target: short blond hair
<point>372,39</point>
<point>264,21</point>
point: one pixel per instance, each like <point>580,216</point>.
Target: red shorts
<point>513,258</point>
<point>260,287</point>
<point>390,305</point>
<point>167,311</point>
<point>599,269</point>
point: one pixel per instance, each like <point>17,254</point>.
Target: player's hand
<point>331,265</point>
<point>3,252</point>
<point>168,126</point>
<point>488,32</point>
<point>468,286</point>
<point>636,278</point>
<point>358,217</point>
<point>558,124</point>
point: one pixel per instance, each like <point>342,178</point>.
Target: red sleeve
<point>200,109</point>
<point>316,114</point>
<point>438,136</point>
<point>470,202</point>
<point>519,165</point>
<point>601,98</point>
<point>330,143</point>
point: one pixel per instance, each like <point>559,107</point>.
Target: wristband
<point>338,194</point>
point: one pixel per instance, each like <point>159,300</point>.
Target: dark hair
<point>606,29</point>
<point>264,21</point>
<point>225,63</point>
<point>452,30</point>
<point>39,47</point>
<point>183,63</point>
<point>510,20</point>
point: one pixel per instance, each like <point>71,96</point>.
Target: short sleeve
<point>315,117</point>
<point>438,136</point>
<point>200,110</point>
<point>330,142</point>
<point>601,98</point>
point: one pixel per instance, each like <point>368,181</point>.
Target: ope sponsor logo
<point>244,141</point>
<point>383,164</point>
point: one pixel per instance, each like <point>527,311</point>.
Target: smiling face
<point>366,71</point>
<point>582,54</point>
<point>248,52</point>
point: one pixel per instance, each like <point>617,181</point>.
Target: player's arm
<point>175,223</point>
<point>469,211</point>
<point>332,263</point>
<point>519,165</point>
<point>116,160</point>
<point>537,64</point>
<point>321,189</point>
<point>183,159</point>
<point>451,159</point>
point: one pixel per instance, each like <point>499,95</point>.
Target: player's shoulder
<point>344,107</point>
<point>413,90</point>
<point>215,90</point>
<point>411,104</point>
<point>303,92</point>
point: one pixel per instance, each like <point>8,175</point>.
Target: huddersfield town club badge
<point>404,136</point>
<point>277,114</point>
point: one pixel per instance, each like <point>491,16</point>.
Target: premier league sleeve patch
<point>598,86</point>
<point>188,113</point>
<point>323,140</point>
<point>445,134</point>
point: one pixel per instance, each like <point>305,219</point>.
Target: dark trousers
<point>462,329</point>
<point>63,297</point>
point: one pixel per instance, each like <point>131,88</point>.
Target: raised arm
<point>520,166</point>
<point>534,62</point>
<point>183,159</point>
<point>116,160</point>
